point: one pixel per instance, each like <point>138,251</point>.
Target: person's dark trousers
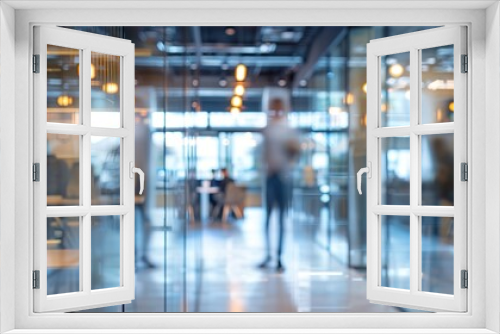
<point>276,194</point>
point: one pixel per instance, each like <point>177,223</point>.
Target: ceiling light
<point>239,90</point>
<point>303,83</point>
<point>222,82</point>
<point>110,88</point>
<point>64,101</point>
<point>235,110</point>
<point>230,31</point>
<point>236,101</point>
<point>451,106</point>
<point>364,87</point>
<point>282,82</point>
<point>396,70</point>
<point>241,72</point>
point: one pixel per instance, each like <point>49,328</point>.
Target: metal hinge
<point>36,279</point>
<point>464,171</point>
<point>36,172</point>
<point>36,63</point>
<point>464,279</point>
<point>465,64</point>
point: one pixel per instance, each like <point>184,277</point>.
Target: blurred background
<point>200,100</point>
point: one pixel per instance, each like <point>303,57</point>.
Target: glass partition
<point>200,229</point>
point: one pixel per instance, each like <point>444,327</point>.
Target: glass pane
<point>63,255</point>
<point>395,171</point>
<point>395,89</point>
<point>105,253</point>
<point>437,85</point>
<point>105,152</point>
<point>395,252</point>
<point>437,254</point>
<point>105,75</point>
<point>437,170</point>
<point>63,85</point>
<point>63,170</point>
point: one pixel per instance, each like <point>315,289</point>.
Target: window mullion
<point>85,247</point>
<point>414,170</point>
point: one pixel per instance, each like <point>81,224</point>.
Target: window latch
<point>368,171</point>
<point>139,171</point>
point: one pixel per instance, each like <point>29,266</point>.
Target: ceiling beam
<point>327,37</point>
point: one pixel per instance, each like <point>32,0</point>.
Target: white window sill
<point>250,331</point>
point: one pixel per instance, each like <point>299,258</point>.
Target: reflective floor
<point>227,277</point>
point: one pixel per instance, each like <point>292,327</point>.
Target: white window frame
<point>86,44</point>
<point>483,308</point>
<point>413,43</point>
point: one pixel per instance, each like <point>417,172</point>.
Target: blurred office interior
<point>198,253</point>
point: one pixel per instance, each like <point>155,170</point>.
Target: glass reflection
<point>63,170</point>
<point>437,170</point>
<point>395,79</point>
<point>437,254</point>
<point>105,252</point>
<point>395,252</point>
<point>106,90</point>
<point>395,171</point>
<point>437,85</point>
<point>63,85</point>
<point>63,255</point>
<point>105,155</point>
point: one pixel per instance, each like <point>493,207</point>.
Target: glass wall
<point>199,244</point>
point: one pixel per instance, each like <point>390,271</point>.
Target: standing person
<point>281,148</point>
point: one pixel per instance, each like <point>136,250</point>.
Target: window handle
<point>368,171</point>
<point>141,175</point>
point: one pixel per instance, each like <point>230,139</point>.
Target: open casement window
<point>83,170</point>
<point>416,189</point>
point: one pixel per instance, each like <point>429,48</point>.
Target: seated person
<point>213,183</point>
<point>221,195</point>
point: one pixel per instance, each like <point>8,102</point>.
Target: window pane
<point>395,251</point>
<point>63,255</point>
<point>105,253</point>
<point>105,153</point>
<point>437,85</point>
<point>395,89</point>
<point>395,171</point>
<point>63,170</point>
<point>437,170</point>
<point>106,90</point>
<point>63,85</point>
<point>437,254</point>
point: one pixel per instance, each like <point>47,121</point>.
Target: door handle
<point>368,171</point>
<point>135,170</point>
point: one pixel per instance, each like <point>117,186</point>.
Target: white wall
<point>493,165</point>
<point>7,159</point>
